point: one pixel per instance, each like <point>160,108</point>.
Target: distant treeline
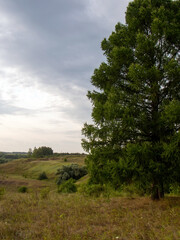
<point>9,156</point>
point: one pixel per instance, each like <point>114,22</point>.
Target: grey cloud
<point>55,33</point>
<point>57,42</point>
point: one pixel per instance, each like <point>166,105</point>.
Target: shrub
<point>42,176</point>
<point>72,171</point>
<point>22,189</point>
<point>68,186</point>
<point>65,160</point>
<point>94,190</point>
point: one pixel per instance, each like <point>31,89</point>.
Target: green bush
<point>72,171</point>
<point>65,160</point>
<point>22,189</point>
<point>68,186</point>
<point>42,176</point>
<point>94,190</point>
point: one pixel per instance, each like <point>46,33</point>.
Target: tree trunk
<point>155,192</point>
<point>161,192</point>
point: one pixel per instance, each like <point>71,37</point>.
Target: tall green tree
<point>136,101</point>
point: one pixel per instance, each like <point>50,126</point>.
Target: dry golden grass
<point>29,216</point>
<point>43,214</point>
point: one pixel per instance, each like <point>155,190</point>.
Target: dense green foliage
<point>73,171</point>
<point>136,104</point>
<point>42,152</point>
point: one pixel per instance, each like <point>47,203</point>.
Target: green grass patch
<point>31,168</point>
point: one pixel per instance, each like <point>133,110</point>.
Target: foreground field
<point>44,214</point>
<point>30,216</point>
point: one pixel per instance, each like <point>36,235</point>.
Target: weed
<point>22,189</point>
<point>2,191</point>
<point>44,192</point>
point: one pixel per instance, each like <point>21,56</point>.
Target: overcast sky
<point>48,52</point>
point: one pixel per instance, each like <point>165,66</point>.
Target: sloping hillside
<point>26,171</point>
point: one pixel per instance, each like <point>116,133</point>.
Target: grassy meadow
<point>44,214</point>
